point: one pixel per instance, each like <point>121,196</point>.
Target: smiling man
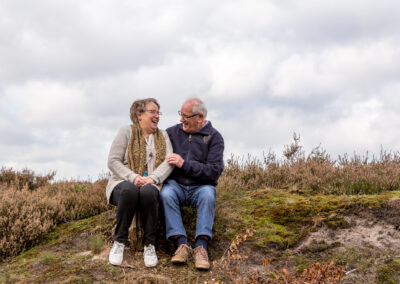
<point>198,159</point>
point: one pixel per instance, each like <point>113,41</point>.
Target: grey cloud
<point>61,42</point>
<point>70,70</point>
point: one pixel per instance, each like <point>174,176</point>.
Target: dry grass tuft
<point>96,244</point>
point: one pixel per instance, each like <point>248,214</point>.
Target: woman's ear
<point>139,116</point>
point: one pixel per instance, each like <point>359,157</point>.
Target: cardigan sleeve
<point>116,157</point>
<point>164,169</point>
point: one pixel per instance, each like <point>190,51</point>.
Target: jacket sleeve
<point>211,170</point>
<point>164,169</point>
<point>117,155</point>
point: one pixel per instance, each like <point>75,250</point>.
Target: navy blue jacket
<point>202,152</point>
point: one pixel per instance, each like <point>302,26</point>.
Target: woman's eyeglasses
<point>153,111</point>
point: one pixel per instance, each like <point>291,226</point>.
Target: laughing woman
<point>137,161</point>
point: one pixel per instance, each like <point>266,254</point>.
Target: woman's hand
<point>142,181</point>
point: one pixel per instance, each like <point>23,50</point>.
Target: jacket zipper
<point>188,155</point>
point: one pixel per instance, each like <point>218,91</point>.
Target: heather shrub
<point>242,174</point>
<point>81,199</point>
<point>23,178</point>
<point>27,215</point>
<point>315,172</point>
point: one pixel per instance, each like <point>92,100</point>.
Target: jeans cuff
<point>175,233</point>
<point>204,234</point>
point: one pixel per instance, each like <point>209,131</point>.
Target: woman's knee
<point>148,193</point>
<point>129,192</point>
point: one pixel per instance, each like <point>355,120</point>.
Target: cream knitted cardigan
<point>118,160</point>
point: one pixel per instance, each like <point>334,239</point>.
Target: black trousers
<point>131,199</point>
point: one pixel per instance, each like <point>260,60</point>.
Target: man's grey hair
<point>199,107</point>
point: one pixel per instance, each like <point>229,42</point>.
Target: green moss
<point>334,222</point>
<point>388,273</point>
<point>302,262</point>
<point>363,259</point>
<point>33,252</point>
<point>282,218</point>
<point>65,230</point>
<point>5,276</point>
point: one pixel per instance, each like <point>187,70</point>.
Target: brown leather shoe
<point>181,254</point>
<point>201,258</point>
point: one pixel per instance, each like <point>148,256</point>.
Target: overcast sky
<point>69,71</point>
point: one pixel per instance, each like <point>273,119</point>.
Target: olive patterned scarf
<point>137,149</point>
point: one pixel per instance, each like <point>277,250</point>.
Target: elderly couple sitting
<point>176,167</point>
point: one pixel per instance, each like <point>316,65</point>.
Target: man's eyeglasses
<point>185,117</point>
<point>153,111</point>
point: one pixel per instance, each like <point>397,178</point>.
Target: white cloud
<point>238,69</point>
<point>69,71</point>
<point>356,70</point>
<point>40,103</point>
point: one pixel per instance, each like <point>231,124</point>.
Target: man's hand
<point>142,181</point>
<point>175,159</point>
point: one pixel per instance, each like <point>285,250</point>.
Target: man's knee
<point>167,193</point>
<point>207,194</point>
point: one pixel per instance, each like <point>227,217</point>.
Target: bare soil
<point>371,232</point>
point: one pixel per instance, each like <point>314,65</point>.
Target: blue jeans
<point>174,195</point>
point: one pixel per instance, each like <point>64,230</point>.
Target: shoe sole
<point>203,267</point>
<point>116,264</point>
<point>151,265</point>
<point>178,261</point>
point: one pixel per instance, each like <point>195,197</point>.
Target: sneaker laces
<point>118,248</point>
<point>184,248</point>
<point>201,253</point>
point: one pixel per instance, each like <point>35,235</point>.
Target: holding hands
<point>173,159</point>
<point>142,181</point>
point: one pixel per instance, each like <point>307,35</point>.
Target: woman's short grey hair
<point>199,107</point>
<point>139,106</point>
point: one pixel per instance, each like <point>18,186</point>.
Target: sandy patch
<point>363,232</point>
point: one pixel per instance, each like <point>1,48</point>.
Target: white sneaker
<point>116,253</point>
<point>150,256</point>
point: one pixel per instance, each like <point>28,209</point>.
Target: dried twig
<point>350,271</point>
